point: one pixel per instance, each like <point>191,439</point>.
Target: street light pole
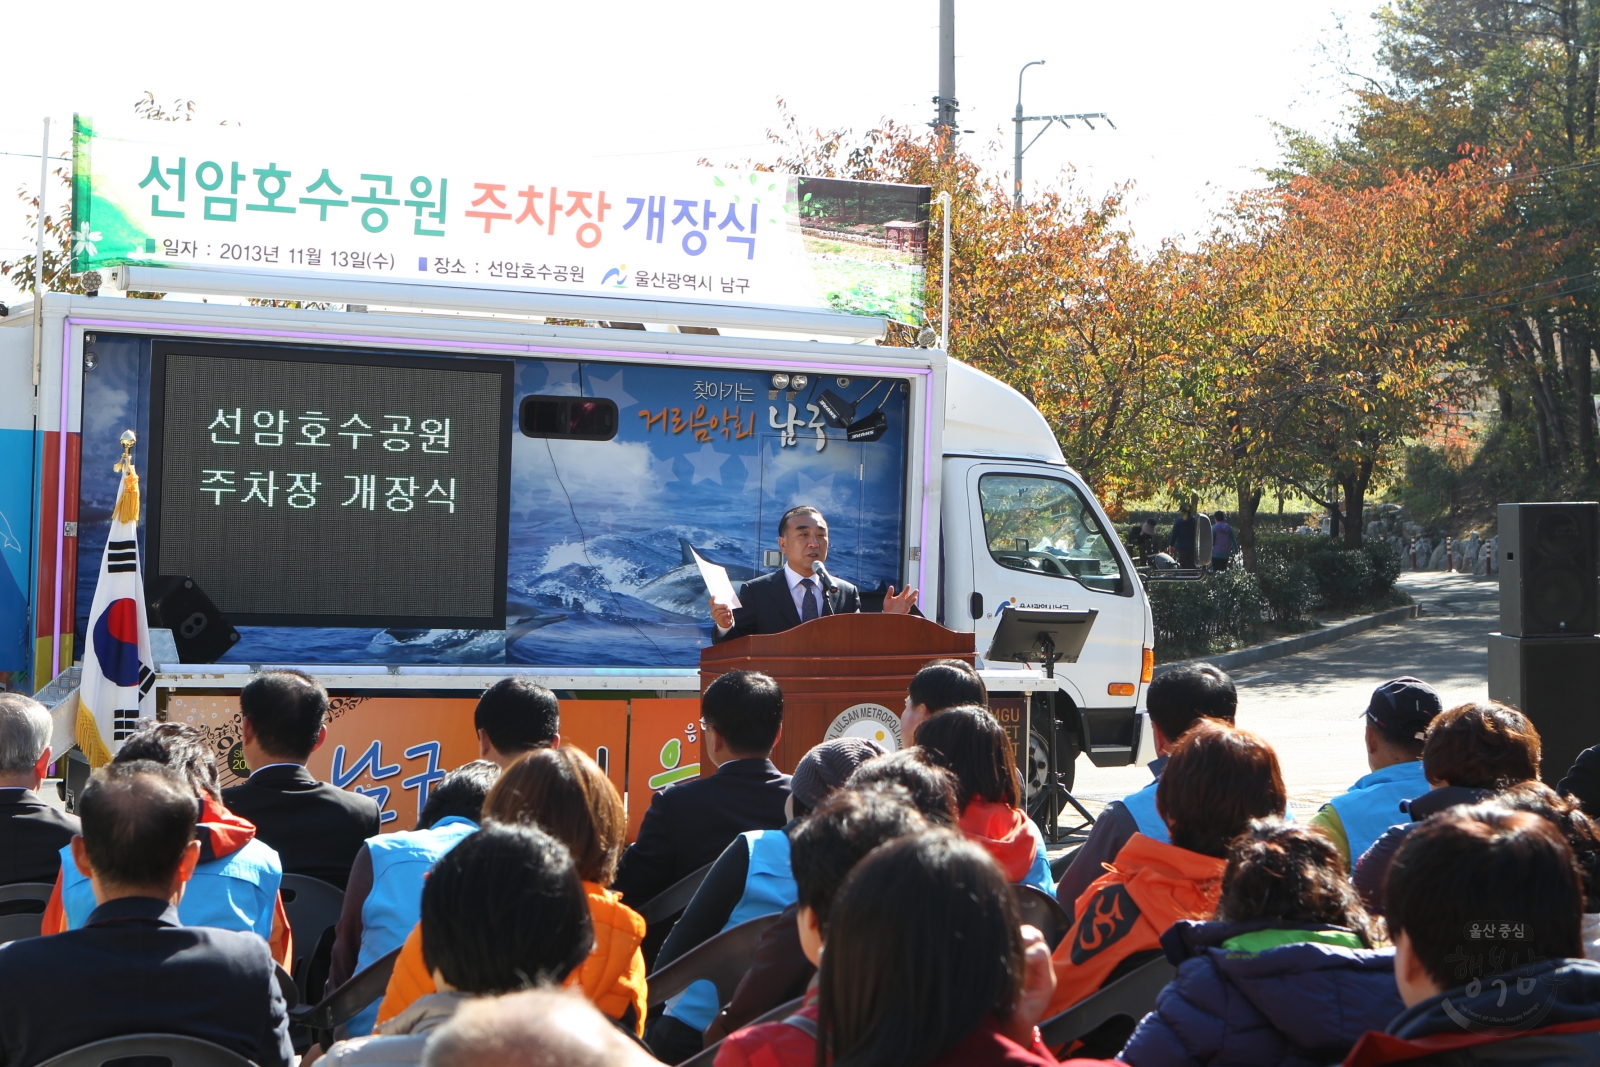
<point>1065,120</point>
<point>1016,169</point>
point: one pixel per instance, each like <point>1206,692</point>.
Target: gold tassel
<point>128,500</point>
<point>88,736</point>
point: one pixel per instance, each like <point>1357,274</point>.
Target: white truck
<point>522,497</point>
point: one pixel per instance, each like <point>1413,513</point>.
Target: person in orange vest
<point>1217,779</point>
<point>564,793</point>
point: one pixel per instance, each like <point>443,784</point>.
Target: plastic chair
<point>782,1011</point>
<point>673,899</point>
<point>313,907</point>
<point>1059,865</point>
<point>27,901</point>
<point>1040,909</point>
<point>721,960</point>
<point>346,1002</point>
<point>286,987</point>
<point>1129,997</point>
<point>176,1049</point>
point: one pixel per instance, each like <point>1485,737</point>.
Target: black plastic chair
<point>22,907</point>
<point>176,1049</point>
<point>286,988</point>
<point>1040,909</point>
<point>346,1002</point>
<point>673,899</point>
<point>721,960</point>
<point>1059,865</point>
<point>1129,998</point>
<point>782,1011</point>
<point>313,907</point>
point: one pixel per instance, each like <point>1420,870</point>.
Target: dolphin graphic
<point>7,538</point>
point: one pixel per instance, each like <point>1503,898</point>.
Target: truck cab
<point>1020,528</point>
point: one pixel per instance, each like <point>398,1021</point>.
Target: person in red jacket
<point>972,744</point>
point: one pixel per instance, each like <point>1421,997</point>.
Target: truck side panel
<point>18,487</point>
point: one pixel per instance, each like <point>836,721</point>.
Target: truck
<point>412,491</point>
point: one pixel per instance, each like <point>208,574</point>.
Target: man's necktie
<point>808,606</point>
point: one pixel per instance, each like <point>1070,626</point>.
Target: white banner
<point>182,195</point>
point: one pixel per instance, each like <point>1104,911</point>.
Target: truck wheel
<point>1038,764</point>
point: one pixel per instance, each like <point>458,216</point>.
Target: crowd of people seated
<point>1445,909</point>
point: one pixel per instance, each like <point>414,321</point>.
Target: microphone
<point>823,576</point>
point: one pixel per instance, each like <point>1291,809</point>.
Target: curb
<point>1288,646</point>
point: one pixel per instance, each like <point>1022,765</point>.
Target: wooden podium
<point>840,674</point>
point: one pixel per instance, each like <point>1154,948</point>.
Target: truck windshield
<point>1045,526</point>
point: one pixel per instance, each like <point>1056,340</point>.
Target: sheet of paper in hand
<point>718,584</point>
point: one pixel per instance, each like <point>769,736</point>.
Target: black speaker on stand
<point>1545,660</point>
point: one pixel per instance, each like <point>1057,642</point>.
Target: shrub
<point>1288,590</point>
<point>1384,559</point>
<point>1198,617</point>
<point>1344,577</point>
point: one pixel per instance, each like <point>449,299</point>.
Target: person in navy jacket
<point>1285,975</point>
<point>135,968</point>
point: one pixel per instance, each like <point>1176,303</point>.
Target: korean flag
<point>118,673</point>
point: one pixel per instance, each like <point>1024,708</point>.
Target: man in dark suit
<point>316,828</point>
<point>32,833</point>
<point>690,823</point>
<point>134,968</point>
<point>785,598</point>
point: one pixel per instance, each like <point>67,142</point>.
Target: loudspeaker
<point>1555,682</point>
<point>1549,569</point>
<point>198,628</point>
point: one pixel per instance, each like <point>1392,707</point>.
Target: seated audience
<point>827,846</point>
<point>689,824</point>
<point>1217,779</point>
<point>235,885</point>
<point>565,794</point>
<point>537,1028</point>
<point>513,717</point>
<point>973,745</point>
<point>1582,781</point>
<point>894,985</point>
<point>1582,835</point>
<point>1470,753</point>
<point>932,788</point>
<point>383,901</point>
<point>750,878</point>
<point>1287,974</point>
<point>939,686</point>
<point>1176,699</point>
<point>502,911</point>
<point>1397,721</point>
<point>1484,909</point>
<point>32,833</point>
<point>134,967</point>
<point>315,828</point>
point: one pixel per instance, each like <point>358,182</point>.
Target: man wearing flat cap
<point>1397,721</point>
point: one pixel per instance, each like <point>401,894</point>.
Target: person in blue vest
<point>1175,701</point>
<point>1397,720</point>
<point>750,878</point>
<point>235,884</point>
<point>384,898</point>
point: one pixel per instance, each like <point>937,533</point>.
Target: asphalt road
<point>1309,705</point>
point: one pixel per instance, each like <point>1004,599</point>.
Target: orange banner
<point>665,748</point>
<point>600,729</point>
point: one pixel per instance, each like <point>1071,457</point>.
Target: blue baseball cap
<point>1404,706</point>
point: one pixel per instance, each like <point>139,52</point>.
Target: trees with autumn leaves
<point>1304,341</point>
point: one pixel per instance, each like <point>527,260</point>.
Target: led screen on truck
<point>331,487</point>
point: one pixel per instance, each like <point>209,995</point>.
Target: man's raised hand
<point>899,604</point>
<point>722,615</point>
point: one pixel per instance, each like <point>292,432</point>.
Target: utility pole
<point>1065,120</point>
<point>945,103</point>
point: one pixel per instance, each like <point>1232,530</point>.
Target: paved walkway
<point>1309,705</point>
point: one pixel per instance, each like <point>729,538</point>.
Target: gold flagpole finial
<point>129,439</point>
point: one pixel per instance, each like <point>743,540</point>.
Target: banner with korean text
<point>508,216</point>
